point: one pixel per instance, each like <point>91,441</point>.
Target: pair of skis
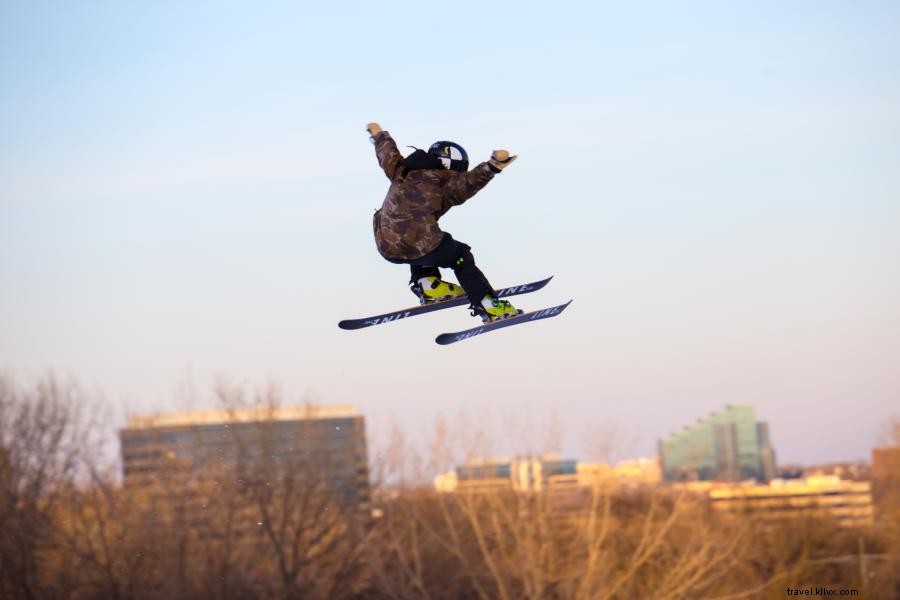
<point>449,338</point>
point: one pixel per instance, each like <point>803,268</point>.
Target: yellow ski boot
<point>494,309</point>
<point>433,289</point>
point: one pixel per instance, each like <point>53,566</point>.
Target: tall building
<point>729,445</point>
<point>324,443</point>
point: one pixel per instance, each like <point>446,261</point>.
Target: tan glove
<point>500,159</point>
<point>373,129</point>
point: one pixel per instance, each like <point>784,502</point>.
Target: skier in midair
<point>424,186</point>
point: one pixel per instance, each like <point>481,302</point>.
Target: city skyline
<point>186,195</point>
<point>462,449</point>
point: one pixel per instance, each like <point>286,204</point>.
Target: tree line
<point>70,529</point>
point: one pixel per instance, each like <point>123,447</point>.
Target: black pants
<point>453,255</point>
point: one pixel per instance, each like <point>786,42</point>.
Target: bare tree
<point>45,434</point>
<point>313,535</point>
<point>274,521</point>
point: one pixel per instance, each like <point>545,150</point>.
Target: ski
<point>536,315</point>
<point>421,309</point>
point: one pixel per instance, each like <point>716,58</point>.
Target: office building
<point>729,445</point>
<point>625,474</point>
<point>526,474</point>
<point>828,496</point>
<point>322,444</point>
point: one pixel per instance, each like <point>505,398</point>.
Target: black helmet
<point>451,154</point>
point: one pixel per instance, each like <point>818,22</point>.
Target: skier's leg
<point>458,256</point>
<point>468,274</point>
<point>482,297</point>
<point>425,276</point>
<point>425,282</point>
<point>417,272</point>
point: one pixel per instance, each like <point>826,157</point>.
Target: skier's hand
<point>500,159</point>
<point>373,129</point>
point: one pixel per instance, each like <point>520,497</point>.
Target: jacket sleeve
<point>388,156</point>
<point>463,186</point>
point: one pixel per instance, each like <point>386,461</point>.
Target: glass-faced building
<point>323,444</point>
<point>729,445</point>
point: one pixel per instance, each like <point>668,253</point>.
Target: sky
<point>186,192</point>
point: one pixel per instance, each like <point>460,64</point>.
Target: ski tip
<point>563,306</point>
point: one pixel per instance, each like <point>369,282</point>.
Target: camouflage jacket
<point>406,225</point>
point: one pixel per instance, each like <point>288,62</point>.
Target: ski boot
<point>433,289</point>
<point>494,309</point>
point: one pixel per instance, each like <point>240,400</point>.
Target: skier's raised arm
<point>466,185</point>
<point>385,149</point>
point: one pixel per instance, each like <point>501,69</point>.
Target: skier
<point>424,186</point>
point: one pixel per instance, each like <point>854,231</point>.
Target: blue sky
<point>186,192</point>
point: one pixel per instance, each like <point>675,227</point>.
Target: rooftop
<point>709,420</point>
<point>243,415</point>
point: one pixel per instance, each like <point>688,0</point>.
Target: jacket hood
<point>419,159</point>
